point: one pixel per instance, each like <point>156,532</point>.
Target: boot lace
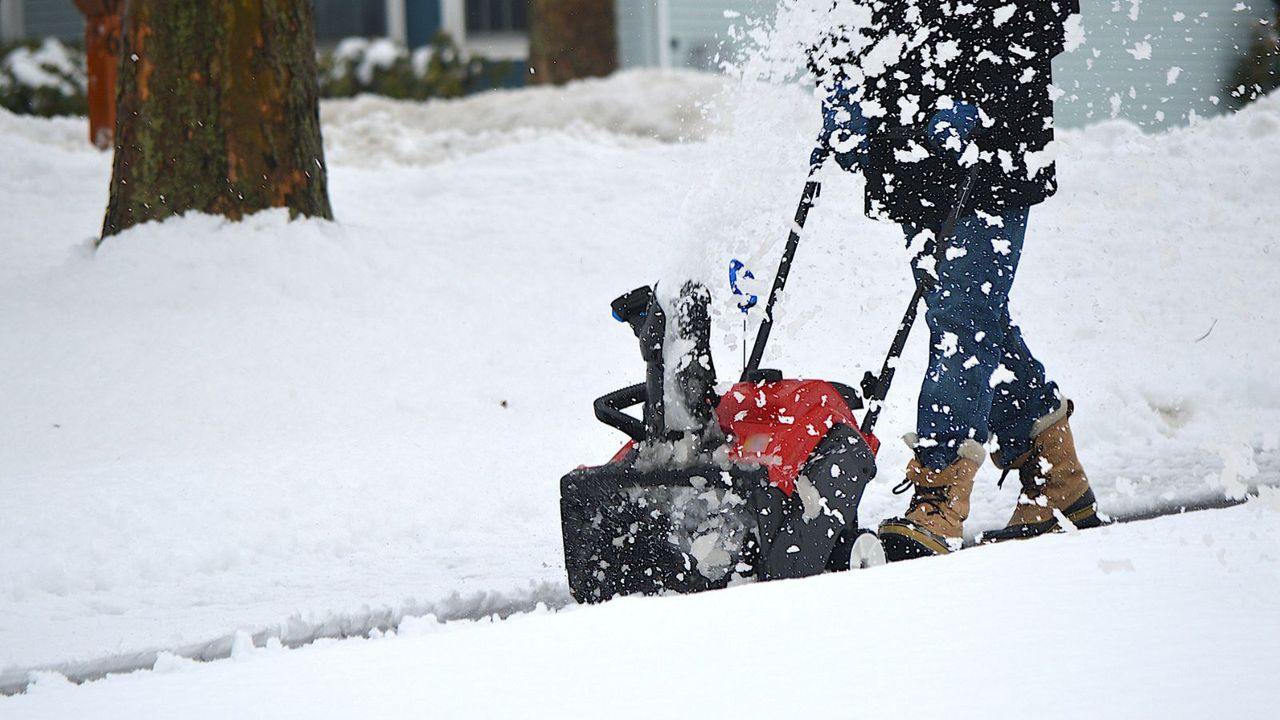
<point>1027,474</point>
<point>934,499</point>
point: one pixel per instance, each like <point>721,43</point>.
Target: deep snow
<point>1171,618</point>
<point>211,426</point>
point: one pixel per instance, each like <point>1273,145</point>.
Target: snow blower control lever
<point>631,308</point>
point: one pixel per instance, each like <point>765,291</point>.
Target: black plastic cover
<point>617,542</point>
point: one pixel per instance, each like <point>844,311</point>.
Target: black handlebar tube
<point>812,188</point>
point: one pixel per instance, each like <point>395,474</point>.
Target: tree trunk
<point>102,60</point>
<point>570,39</point>
<point>218,112</point>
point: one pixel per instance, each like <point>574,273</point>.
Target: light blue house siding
<point>678,33</point>
<point>638,33</point>
<point>1110,75</point>
<point>699,29</point>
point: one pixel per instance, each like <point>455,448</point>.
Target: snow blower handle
<point>640,310</point>
<point>812,188</point>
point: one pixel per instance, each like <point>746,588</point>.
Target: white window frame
<point>11,20</point>
<point>453,20</point>
<point>397,22</point>
<point>664,33</point>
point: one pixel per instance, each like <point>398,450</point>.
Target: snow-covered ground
<point>301,428</point>
<point>1171,618</point>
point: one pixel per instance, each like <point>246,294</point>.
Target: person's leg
<point>1030,421</point>
<point>1022,395</point>
<point>967,316</point>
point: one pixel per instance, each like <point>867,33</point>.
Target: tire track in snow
<point>296,632</point>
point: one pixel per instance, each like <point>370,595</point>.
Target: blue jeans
<point>982,379</point>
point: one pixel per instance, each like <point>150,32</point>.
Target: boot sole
<point>1083,514</point>
<point>902,540</point>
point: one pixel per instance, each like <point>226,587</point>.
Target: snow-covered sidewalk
<point>1169,618</point>
<point>211,426</point>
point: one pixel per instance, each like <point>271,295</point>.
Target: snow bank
<point>35,135</point>
<point>1173,618</point>
<point>627,109</point>
<point>223,425</point>
<point>53,192</point>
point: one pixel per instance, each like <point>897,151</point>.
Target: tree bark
<point>570,39</point>
<point>217,112</point>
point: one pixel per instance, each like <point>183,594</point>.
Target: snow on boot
<point>1055,490</point>
<point>933,523</point>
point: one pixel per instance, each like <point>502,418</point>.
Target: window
<point>497,16</point>
<point>40,19</point>
<point>337,19</point>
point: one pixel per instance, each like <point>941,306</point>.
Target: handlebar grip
<point>609,410</point>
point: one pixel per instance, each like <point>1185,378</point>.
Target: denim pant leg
<point>1022,396</point>
<point>968,316</point>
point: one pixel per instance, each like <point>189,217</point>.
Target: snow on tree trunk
<point>218,112</point>
<point>570,39</point>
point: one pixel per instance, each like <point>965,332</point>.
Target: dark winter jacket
<point>992,53</point>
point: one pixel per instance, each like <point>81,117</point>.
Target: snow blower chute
<point>761,482</point>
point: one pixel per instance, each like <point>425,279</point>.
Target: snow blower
<point>760,482</point>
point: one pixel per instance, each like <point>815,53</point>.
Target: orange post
<point>102,60</point>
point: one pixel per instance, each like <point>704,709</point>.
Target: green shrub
<point>44,78</point>
<point>382,67</point>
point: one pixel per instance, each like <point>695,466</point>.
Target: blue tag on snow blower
<point>735,267</point>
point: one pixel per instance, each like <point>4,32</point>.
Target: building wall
<point>48,18</point>
<point>10,20</point>
<point>638,33</point>
<point>1103,79</point>
<point>503,44</point>
<point>337,19</point>
<point>698,30</point>
<point>422,21</point>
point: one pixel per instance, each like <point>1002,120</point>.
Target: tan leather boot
<point>1054,485</point>
<point>934,521</point>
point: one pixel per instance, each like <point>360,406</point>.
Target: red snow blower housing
<point>762,481</point>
